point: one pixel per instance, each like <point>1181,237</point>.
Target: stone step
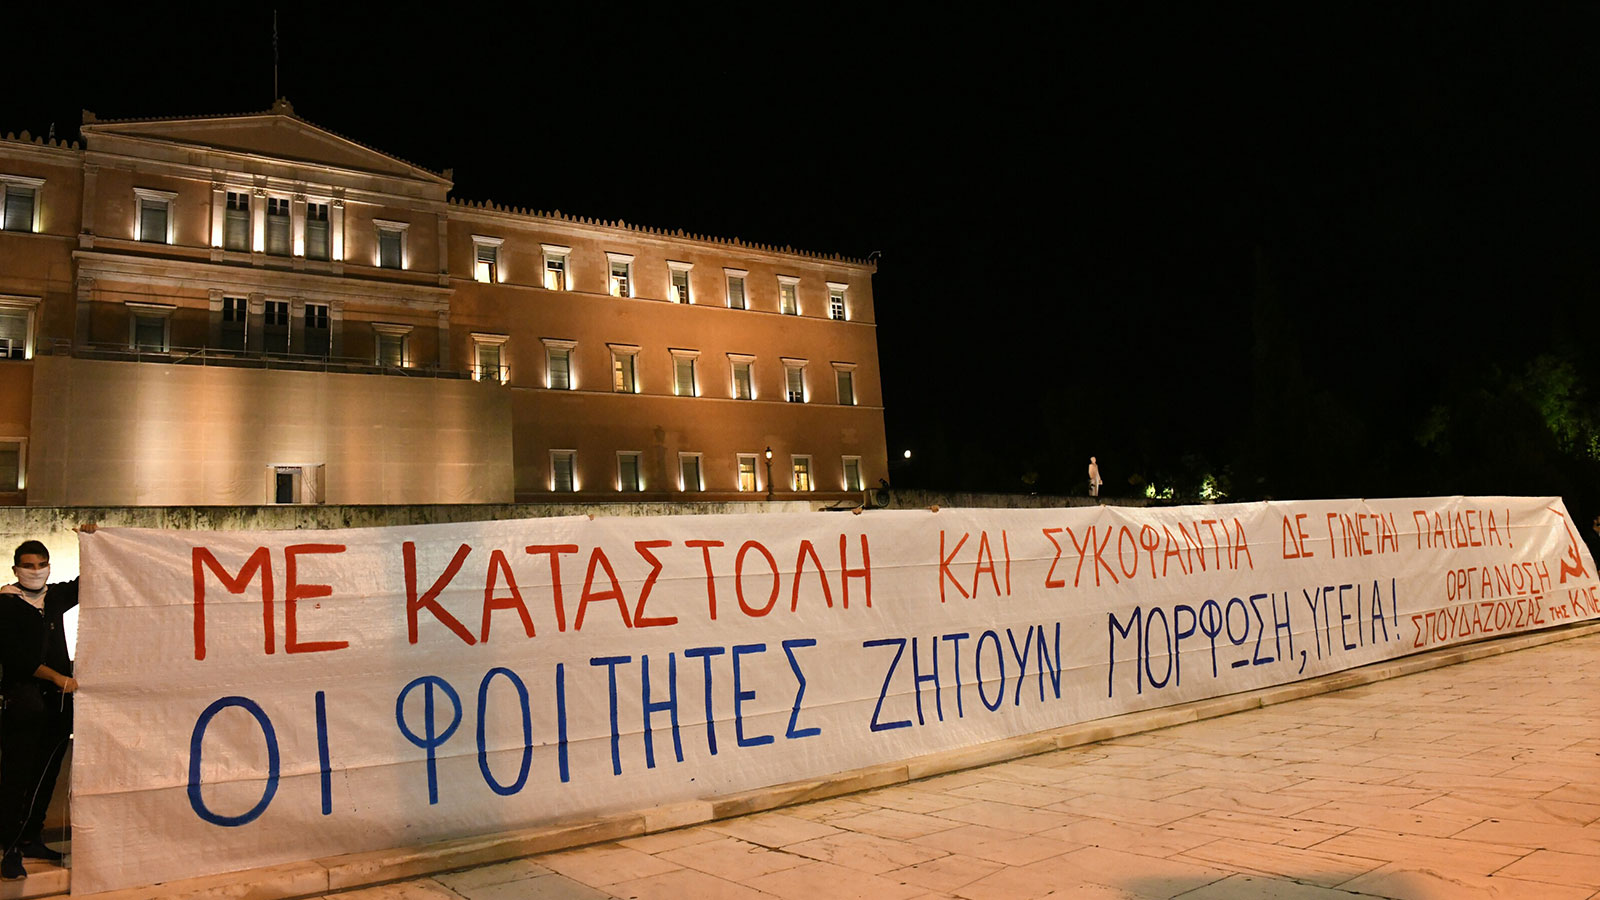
<point>44,879</point>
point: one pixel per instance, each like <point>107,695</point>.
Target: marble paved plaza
<point>1475,780</point>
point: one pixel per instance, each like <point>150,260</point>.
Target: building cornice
<point>348,178</point>
<point>711,308</point>
<point>555,220</point>
<point>816,408</point>
<point>195,274</point>
<point>356,185</point>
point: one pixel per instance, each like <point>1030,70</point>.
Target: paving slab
<point>1474,780</point>
<point>1445,783</point>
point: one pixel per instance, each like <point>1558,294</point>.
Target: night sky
<point>1310,251</point>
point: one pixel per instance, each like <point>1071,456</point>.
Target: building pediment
<point>277,133</point>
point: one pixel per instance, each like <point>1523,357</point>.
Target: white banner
<point>252,698</point>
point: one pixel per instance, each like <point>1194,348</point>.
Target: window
<point>684,377</point>
<point>14,331</point>
<point>844,374</point>
<point>747,472</point>
<point>680,281</point>
<point>489,358</point>
<point>628,471</point>
<point>836,301</point>
<point>558,364</point>
<point>689,472</point>
<point>21,209</point>
<point>296,484</point>
<point>621,274</point>
<point>16,327</point>
<point>150,333</point>
<point>483,268</point>
<point>236,221</point>
<point>802,473</point>
<point>794,374</point>
<point>275,327</point>
<point>389,248</point>
<point>555,267</point>
<point>148,326</point>
<point>789,295</point>
<point>852,473</point>
<point>683,382</point>
<point>316,231</point>
<point>234,322</point>
<point>392,344</point>
<point>153,221</point>
<point>625,381</point>
<point>624,377</point>
<point>563,477</point>
<point>391,243</point>
<point>154,215</point>
<point>486,258</point>
<point>743,383</point>
<point>319,338</point>
<point>286,481</point>
<point>13,464</point>
<point>488,367</point>
<point>391,350</point>
<point>278,226</point>
<point>736,298</point>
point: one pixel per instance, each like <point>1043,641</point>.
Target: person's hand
<point>85,528</point>
<point>68,684</point>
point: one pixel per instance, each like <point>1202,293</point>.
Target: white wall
<point>142,434</point>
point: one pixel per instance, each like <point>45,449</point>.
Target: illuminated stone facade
<point>251,309</point>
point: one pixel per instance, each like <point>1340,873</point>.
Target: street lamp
<point>769,472</point>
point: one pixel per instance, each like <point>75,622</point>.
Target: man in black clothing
<point>36,681</point>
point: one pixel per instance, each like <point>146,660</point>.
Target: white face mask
<point>33,579</point>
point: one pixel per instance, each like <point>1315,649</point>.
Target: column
<point>297,324</point>
<point>444,338</point>
<point>91,175</point>
<point>219,215</point>
<point>297,227</point>
<point>215,333</point>
<point>256,322</point>
<point>336,229</point>
<point>258,220</point>
<point>335,325</point>
<point>80,331</point>
<point>444,257</point>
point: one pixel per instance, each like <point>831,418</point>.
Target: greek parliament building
<point>249,309</point>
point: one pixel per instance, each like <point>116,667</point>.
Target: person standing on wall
<point>1094,478</point>
<point>37,684</point>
